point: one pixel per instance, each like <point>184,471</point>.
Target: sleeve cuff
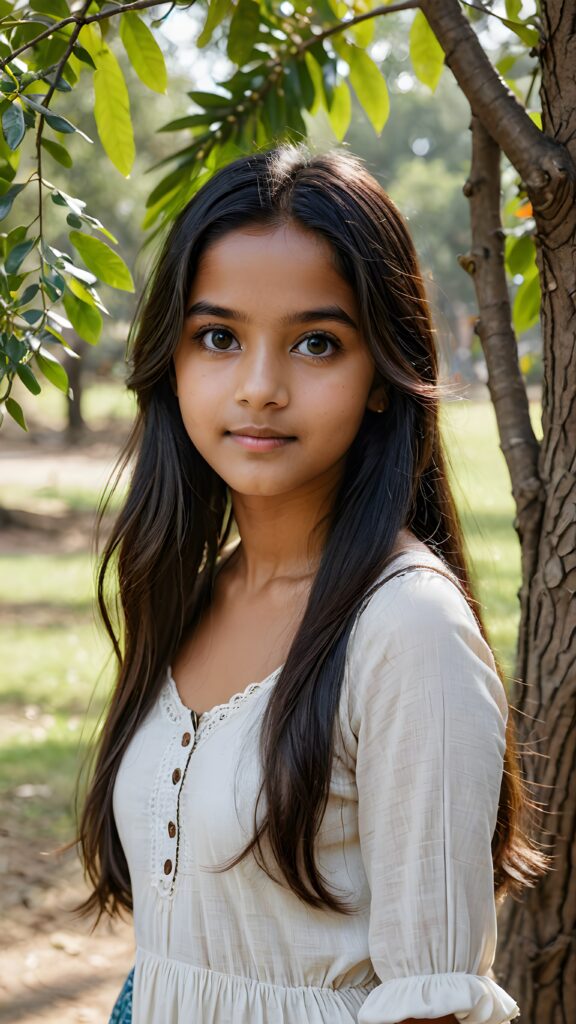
<point>472,998</point>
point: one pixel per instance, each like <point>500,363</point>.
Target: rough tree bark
<point>537,951</point>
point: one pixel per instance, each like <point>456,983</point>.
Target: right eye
<point>219,337</point>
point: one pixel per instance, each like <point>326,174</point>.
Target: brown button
<point>186,739</point>
<point>176,775</point>
<point>171,829</point>
<point>167,867</point>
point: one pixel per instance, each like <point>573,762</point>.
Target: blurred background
<point>54,662</point>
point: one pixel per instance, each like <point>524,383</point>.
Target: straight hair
<point>157,571</point>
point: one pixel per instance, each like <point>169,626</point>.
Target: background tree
<point>287,61</point>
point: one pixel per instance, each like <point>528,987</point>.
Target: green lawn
<point>53,679</point>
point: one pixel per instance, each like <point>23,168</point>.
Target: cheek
<point>340,413</point>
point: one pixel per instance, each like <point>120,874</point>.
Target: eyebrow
<point>304,316</point>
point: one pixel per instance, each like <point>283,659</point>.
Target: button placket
<point>165,803</point>
<point>178,775</point>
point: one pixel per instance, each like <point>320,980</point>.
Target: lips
<point>253,431</point>
<point>265,441</point>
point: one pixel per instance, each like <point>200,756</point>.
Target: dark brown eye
<point>317,345</point>
<point>219,339</point>
<point>316,342</point>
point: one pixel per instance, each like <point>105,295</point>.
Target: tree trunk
<point>537,957</point>
<point>537,949</point>
<point>76,424</point>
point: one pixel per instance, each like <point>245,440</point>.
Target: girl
<point>306,789</point>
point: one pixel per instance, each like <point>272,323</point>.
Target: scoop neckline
<point>233,699</point>
<point>184,709</point>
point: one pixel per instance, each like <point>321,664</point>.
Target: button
<point>171,829</point>
<point>176,775</point>
<point>167,867</point>
<point>186,739</point>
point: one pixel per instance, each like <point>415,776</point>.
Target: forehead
<point>285,260</point>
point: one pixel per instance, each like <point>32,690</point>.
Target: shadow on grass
<point>38,786</point>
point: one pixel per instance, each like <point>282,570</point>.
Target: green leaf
<point>18,254</point>
<point>513,8</point>
<point>425,52</point>
<point>244,29</point>
<point>315,72</point>
<point>526,309</point>
<point>504,65</point>
<point>145,55</point>
<point>340,112</point>
<point>106,264</point>
<point>82,293</point>
<point>16,412</point>
<point>306,93</point>
<point>54,284</point>
<point>212,101</point>
<point>528,35</point>
<point>52,369</point>
<point>62,198</point>
<point>56,9</point>
<point>32,316</point>
<point>29,293</point>
<point>82,54</point>
<point>520,253</point>
<point>15,348</point>
<point>13,125</point>
<point>85,319</point>
<point>57,152</point>
<point>56,122</point>
<point>112,112</point>
<point>28,379</point>
<point>8,198</point>
<point>216,13</point>
<point>363,33</point>
<point>370,87</point>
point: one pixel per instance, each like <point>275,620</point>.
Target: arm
<point>429,712</point>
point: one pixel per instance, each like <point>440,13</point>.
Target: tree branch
<point>46,103</point>
<point>80,19</point>
<point>406,5</point>
<point>485,264</point>
<point>539,160</point>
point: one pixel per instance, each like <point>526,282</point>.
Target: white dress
<point>406,835</point>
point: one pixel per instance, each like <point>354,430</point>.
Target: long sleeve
<point>429,713</point>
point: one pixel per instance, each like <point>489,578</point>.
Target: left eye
<point>314,340</point>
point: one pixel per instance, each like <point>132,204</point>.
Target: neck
<point>281,537</point>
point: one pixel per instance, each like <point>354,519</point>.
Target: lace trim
<point>177,711</point>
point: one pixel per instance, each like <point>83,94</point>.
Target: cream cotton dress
<point>406,836</point>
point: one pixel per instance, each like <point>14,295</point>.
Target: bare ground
<point>52,968</point>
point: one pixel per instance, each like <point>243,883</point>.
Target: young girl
<point>305,788</point>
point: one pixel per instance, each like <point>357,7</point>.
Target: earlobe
<point>378,401</point>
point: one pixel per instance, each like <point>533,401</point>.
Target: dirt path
<point>51,968</point>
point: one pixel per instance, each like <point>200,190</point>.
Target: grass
<point>103,404</point>
<point>53,682</point>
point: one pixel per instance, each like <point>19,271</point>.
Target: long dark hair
<point>164,547</point>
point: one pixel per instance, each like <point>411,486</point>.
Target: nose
<point>261,377</point>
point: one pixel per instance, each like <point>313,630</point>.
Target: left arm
<point>430,716</point>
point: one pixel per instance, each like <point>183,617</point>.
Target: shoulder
<point>417,633</point>
<point>423,595</point>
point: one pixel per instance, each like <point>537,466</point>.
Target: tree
<point>287,61</point>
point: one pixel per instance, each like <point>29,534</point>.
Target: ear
<point>378,399</point>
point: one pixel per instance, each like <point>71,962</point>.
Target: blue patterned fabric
<point>122,1012</point>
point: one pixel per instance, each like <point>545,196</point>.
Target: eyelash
<point>199,337</point>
